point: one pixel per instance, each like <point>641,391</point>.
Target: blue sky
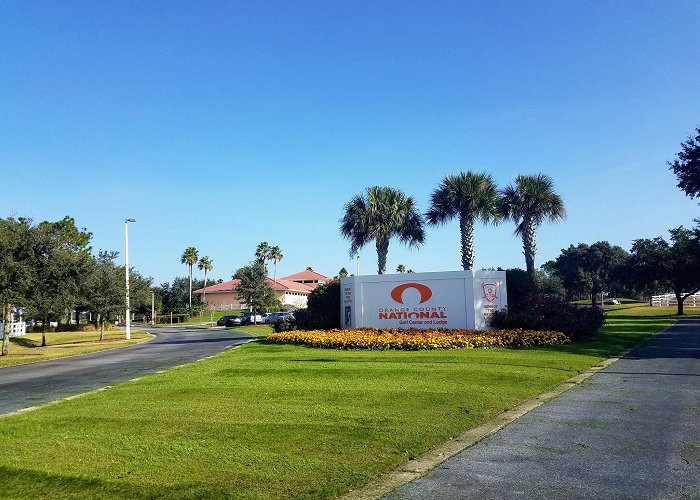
<point>223,124</point>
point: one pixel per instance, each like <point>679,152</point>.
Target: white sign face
<point>456,299</point>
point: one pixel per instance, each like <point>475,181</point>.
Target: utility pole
<point>153,307</point>
<point>126,259</point>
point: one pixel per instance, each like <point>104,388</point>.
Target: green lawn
<point>28,348</point>
<point>270,421</point>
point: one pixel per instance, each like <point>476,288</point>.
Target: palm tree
<point>343,273</point>
<point>528,203</point>
<point>207,265</point>
<point>401,268</point>
<point>379,214</point>
<point>467,196</point>
<point>262,253</point>
<point>189,257</point>
<point>275,256</point>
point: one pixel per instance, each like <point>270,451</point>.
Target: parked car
<point>247,318</point>
<point>268,317</point>
<point>282,316</point>
<point>224,319</point>
<point>234,321</point>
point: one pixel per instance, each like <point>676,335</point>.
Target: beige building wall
<point>222,301</point>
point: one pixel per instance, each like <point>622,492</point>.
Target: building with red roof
<point>223,296</point>
<point>308,277</point>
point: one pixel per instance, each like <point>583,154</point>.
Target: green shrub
<point>548,313</point>
<point>322,311</point>
<point>176,318</point>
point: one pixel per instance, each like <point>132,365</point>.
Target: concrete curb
<point>413,469</point>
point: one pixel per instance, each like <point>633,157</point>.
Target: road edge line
<point>29,409</point>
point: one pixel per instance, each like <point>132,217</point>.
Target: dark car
<point>234,321</point>
<point>223,319</point>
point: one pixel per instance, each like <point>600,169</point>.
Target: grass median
<point>270,421</point>
<point>27,349</point>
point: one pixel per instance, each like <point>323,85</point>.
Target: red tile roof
<point>226,286</point>
<point>307,275</point>
<point>282,285</point>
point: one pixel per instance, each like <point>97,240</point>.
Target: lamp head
<point>130,220</point>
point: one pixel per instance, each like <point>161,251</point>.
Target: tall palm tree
<point>262,253</point>
<point>275,256</point>
<point>207,265</point>
<point>189,257</point>
<point>467,196</point>
<point>528,203</point>
<point>379,214</point>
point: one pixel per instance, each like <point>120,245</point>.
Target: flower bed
<point>415,340</point>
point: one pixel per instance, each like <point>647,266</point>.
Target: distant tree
<point>466,196</point>
<point>207,265</point>
<point>189,257</point>
<point>528,203</point>
<point>253,287</point>
<point>400,269</point>
<point>16,273</point>
<point>343,273</point>
<point>409,271</point>
<point>590,269</point>
<point>379,214</point>
<point>686,166</point>
<point>174,296</point>
<point>275,256</point>
<point>309,268</point>
<point>674,266</point>
<point>61,260</point>
<point>105,287</point>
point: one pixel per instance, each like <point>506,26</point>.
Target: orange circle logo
<point>425,292</point>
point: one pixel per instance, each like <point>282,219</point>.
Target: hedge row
<point>415,340</point>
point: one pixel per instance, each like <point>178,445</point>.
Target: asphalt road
<point>36,383</point>
<point>632,431</point>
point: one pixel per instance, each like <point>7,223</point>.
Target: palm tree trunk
<point>382,251</point>
<point>204,292</point>
<point>530,247</point>
<point>466,229</point>
<point>190,286</point>
<point>102,327</point>
<point>6,330</point>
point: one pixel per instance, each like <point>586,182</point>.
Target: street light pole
<point>126,259</point>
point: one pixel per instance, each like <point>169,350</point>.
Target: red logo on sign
<point>490,291</point>
<point>425,292</point>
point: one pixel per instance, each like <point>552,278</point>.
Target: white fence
<point>669,299</point>
<point>17,329</point>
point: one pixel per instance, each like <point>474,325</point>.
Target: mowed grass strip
<point>28,348</point>
<point>271,421</point>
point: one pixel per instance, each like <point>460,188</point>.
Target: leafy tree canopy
<point>686,166</point>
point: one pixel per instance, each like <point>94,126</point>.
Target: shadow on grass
<point>25,342</point>
<point>23,483</point>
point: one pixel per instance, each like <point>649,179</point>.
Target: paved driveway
<point>28,385</point>
<point>632,431</point>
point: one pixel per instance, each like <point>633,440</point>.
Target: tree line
<point>48,270</point>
